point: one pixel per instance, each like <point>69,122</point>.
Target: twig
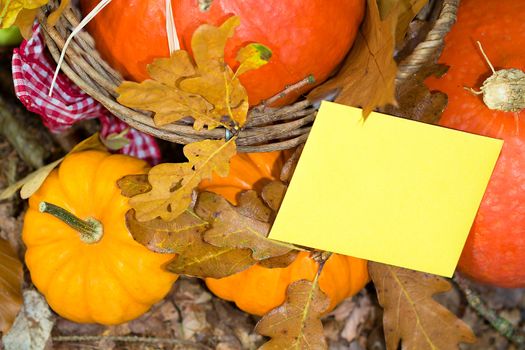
<point>128,339</point>
<point>501,324</point>
<point>288,90</point>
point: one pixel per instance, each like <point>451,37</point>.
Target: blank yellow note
<point>386,189</point>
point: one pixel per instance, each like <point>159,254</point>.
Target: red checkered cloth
<point>32,74</point>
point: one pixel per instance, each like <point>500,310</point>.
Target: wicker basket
<point>266,129</point>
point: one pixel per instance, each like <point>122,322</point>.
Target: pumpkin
<point>258,289</point>
<point>495,249</point>
<point>95,272</point>
<point>306,37</point>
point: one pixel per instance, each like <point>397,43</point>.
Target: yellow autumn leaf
<point>172,184</point>
<point>10,9</point>
<point>252,56</point>
<point>203,87</point>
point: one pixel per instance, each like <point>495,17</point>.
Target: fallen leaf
<point>410,315</point>
<point>367,77</point>
<point>32,182</point>
<point>252,206</point>
<point>116,141</point>
<point>9,10</point>
<point>252,56</point>
<point>414,99</point>
<point>201,259</point>
<point>204,88</point>
<point>406,11</point>
<point>132,185</point>
<point>167,236</point>
<point>33,325</point>
<point>279,261</point>
<point>173,184</point>
<point>297,323</point>
<point>11,278</point>
<point>273,194</point>
<point>230,229</point>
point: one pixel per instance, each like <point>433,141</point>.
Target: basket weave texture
<point>267,129</point>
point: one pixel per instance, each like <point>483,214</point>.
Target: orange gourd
<point>306,37</point>
<point>98,273</point>
<point>258,289</point>
<point>495,249</point>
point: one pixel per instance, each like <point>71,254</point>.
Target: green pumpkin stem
<point>90,230</point>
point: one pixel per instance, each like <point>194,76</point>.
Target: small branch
<point>501,324</point>
<point>129,339</point>
<point>288,90</point>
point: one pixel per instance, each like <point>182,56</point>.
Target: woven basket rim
<point>267,129</point>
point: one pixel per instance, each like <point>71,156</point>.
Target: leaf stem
<point>500,324</point>
<point>90,230</point>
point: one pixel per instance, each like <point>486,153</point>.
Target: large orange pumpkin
<point>306,37</point>
<point>495,249</point>
<point>258,289</point>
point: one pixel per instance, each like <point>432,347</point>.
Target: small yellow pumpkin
<point>79,252</point>
<point>258,289</point>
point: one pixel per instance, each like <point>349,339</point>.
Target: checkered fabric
<point>32,74</point>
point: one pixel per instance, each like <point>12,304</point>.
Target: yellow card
<point>386,189</point>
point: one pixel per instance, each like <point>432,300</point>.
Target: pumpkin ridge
<point>122,283</point>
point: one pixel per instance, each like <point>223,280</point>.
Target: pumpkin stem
<point>90,230</point>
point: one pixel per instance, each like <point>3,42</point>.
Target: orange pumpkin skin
<point>109,282</point>
<point>495,249</point>
<point>258,289</point>
<point>306,37</point>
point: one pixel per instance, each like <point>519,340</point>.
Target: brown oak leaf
<point>204,88</point>
<point>201,259</point>
<point>367,77</point>
<point>410,315</point>
<point>183,236</point>
<point>167,236</point>
<point>273,194</point>
<point>252,206</point>
<point>11,278</point>
<point>172,184</point>
<point>297,323</point>
<point>132,185</point>
<point>229,228</point>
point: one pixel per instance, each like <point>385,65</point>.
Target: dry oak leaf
<point>204,88</point>
<point>11,278</point>
<point>229,228</point>
<point>367,78</point>
<point>167,236</point>
<point>296,324</point>
<point>172,184</point>
<point>411,316</point>
<point>183,236</point>
<point>201,259</point>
